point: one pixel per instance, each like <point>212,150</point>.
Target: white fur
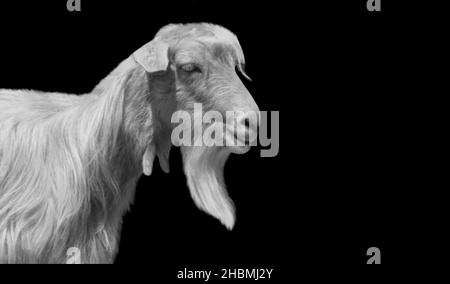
<point>69,164</point>
<point>59,185</point>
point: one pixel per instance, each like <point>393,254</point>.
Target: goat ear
<point>161,148</point>
<point>147,160</point>
<point>153,56</point>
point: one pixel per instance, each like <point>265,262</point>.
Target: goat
<point>69,164</point>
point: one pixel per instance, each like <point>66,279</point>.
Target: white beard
<point>203,167</point>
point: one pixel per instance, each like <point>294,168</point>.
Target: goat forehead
<point>200,51</point>
<point>202,42</point>
<point>223,51</point>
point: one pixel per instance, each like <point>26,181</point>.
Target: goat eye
<point>190,68</point>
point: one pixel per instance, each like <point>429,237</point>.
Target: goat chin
<point>204,166</point>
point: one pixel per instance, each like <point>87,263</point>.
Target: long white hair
<point>203,167</point>
<point>61,185</point>
<point>69,164</point>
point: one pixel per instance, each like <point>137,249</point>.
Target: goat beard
<point>203,167</point>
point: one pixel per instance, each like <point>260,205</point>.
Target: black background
<point>333,71</point>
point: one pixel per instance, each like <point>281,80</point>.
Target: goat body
<point>69,166</point>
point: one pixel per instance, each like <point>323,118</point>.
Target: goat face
<point>199,63</point>
<point>196,64</point>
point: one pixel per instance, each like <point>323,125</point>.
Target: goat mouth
<point>236,144</point>
<point>235,140</point>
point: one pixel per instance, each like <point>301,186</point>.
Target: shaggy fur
<point>69,164</point>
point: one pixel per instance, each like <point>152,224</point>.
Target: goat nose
<point>249,122</point>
